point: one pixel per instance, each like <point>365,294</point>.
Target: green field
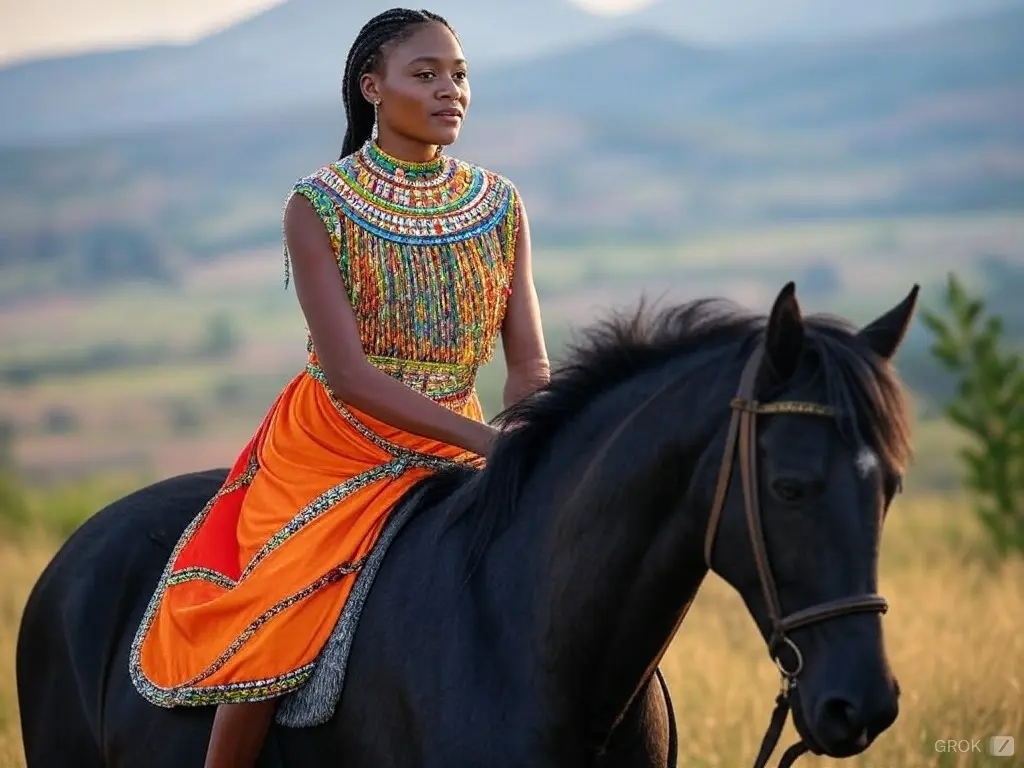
<point>157,378</point>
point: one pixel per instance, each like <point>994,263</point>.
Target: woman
<point>407,264</point>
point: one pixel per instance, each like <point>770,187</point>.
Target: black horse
<point>520,616</point>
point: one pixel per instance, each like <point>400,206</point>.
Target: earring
<point>376,113</point>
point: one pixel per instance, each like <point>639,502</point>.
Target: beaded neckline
<point>401,170</point>
<point>442,201</point>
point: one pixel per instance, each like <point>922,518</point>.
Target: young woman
<point>408,265</point>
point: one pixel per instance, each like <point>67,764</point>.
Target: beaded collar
<point>441,200</point>
<point>401,171</point>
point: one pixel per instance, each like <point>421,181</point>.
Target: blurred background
<point>670,149</point>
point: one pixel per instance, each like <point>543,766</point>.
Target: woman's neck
<point>407,150</point>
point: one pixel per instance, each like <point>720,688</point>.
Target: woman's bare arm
<point>333,327</point>
<point>526,358</point>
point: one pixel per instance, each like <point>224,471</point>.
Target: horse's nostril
<point>840,719</point>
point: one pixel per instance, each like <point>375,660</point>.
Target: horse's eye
<point>789,490</point>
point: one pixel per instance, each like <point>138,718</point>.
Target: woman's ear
<point>370,87</point>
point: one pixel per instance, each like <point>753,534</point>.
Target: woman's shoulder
<point>324,187</point>
<point>320,176</point>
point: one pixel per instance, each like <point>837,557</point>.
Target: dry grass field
<point>953,635</point>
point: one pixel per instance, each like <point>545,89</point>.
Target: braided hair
<point>366,55</point>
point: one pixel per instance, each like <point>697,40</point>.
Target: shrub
<point>988,405</point>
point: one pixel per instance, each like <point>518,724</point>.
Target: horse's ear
<point>784,336</point>
<point>885,334</point>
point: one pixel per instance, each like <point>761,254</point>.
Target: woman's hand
<point>484,440</point>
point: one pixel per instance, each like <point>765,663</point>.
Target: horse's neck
<point>614,562</point>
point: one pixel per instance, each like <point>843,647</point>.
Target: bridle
<point>742,439</point>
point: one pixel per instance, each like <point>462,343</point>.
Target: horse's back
<point>79,707</point>
<point>80,617</point>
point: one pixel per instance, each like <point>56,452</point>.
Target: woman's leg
<point>238,734</point>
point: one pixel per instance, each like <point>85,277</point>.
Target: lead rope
<point>774,732</point>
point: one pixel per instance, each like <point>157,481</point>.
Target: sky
<point>32,28</point>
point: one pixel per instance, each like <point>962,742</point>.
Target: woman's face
<point>423,87</point>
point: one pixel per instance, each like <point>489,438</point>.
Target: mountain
<point>821,21</point>
<point>636,137</point>
<point>292,53</point>
<point>797,88</point>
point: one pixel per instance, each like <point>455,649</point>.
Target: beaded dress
<point>256,582</point>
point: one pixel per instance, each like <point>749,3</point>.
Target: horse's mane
<point>622,346</point>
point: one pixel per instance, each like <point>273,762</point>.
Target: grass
<point>952,633</point>
<point>953,639</point>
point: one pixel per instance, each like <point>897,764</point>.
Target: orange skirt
<point>256,583</point>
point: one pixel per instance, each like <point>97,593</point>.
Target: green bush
<point>13,507</point>
<point>57,511</point>
<point>14,513</point>
<point>988,405</point>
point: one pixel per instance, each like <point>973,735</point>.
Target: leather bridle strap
<point>741,440</point>
<point>748,380</point>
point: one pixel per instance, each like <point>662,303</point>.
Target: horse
<point>521,615</point>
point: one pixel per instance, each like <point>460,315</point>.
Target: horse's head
<point>813,458</point>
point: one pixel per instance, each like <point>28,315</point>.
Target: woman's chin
<point>444,138</point>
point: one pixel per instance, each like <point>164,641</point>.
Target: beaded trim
<point>446,384</point>
<point>198,573</point>
<point>420,204</point>
<point>315,509</point>
<point>190,693</point>
<point>797,407</point>
<point>412,172</point>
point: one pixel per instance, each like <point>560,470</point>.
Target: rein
<point>742,441</point>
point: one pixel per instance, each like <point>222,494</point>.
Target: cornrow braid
<point>366,55</point>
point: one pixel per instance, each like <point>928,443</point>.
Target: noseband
<point>742,438</point>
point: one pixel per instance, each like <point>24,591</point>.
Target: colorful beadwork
<point>426,252</point>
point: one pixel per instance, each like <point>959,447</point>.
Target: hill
<point>289,54</point>
<point>637,138</point>
<point>742,21</point>
<point>295,52</point>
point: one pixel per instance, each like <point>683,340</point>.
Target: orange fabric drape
<point>256,584</point>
